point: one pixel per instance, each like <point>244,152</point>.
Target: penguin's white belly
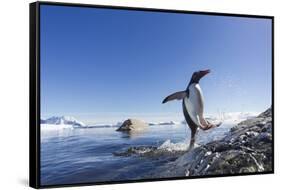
<point>194,103</point>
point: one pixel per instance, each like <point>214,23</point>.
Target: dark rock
<point>247,148</point>
<point>132,125</point>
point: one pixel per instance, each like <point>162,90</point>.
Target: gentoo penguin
<point>193,105</point>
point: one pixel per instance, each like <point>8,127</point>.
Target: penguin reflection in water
<point>193,105</point>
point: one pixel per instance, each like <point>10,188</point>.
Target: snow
<point>63,120</point>
<point>52,127</point>
<point>67,122</point>
<point>60,123</point>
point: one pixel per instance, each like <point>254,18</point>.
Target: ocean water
<point>85,155</point>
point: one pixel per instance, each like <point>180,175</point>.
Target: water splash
<point>166,148</point>
<point>174,147</point>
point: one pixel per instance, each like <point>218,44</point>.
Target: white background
<point>14,76</point>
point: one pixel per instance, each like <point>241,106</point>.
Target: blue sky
<point>99,62</point>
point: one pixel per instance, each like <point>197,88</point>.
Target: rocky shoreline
<point>247,148</point>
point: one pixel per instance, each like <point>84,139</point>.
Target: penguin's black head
<point>196,76</point>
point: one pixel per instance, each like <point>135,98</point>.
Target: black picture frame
<point>34,89</point>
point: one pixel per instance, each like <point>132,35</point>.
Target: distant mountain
<point>66,122</point>
<point>167,123</point>
<point>101,126</point>
<point>163,123</point>
<point>63,120</point>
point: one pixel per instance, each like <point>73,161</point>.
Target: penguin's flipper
<point>175,96</point>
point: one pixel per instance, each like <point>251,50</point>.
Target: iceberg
<point>59,123</point>
<point>63,120</point>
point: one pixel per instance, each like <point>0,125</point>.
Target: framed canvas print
<point>121,94</point>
